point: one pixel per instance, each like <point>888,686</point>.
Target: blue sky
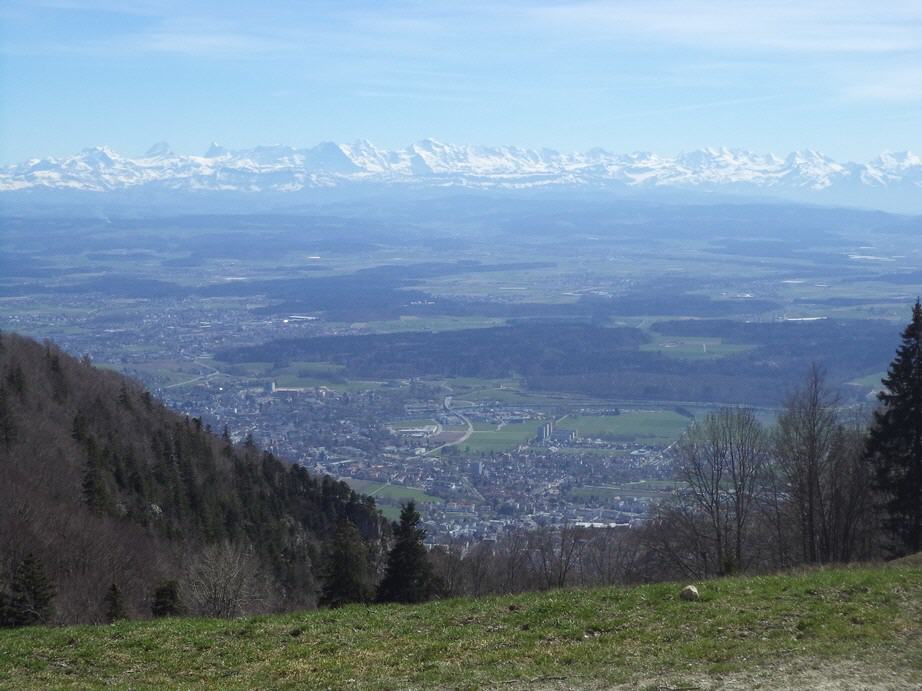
<point>842,76</point>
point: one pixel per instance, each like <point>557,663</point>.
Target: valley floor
<point>832,628</point>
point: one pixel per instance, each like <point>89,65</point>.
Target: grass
<point>397,493</point>
<point>644,489</point>
<point>655,426</point>
<point>870,381</point>
<point>693,348</point>
<point>504,439</point>
<point>442,323</point>
<point>413,423</point>
<point>769,631</point>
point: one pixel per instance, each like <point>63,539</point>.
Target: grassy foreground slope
<point>835,626</point>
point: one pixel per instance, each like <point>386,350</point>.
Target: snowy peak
<point>803,175</point>
<point>159,150</point>
<point>330,157</point>
<point>98,156</point>
<point>215,150</point>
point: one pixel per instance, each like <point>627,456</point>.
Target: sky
<point>840,76</point>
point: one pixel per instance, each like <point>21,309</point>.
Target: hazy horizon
<point>665,76</point>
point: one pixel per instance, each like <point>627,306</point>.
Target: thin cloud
<point>894,85</point>
<point>821,27</point>
<point>691,107</point>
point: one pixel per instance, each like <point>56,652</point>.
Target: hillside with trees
<point>111,505</point>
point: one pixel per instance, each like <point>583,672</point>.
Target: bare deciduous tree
<point>555,554</point>
<point>819,461</point>
<point>609,557</point>
<point>224,580</point>
<point>721,459</point>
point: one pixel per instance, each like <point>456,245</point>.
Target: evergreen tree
<point>16,378</point>
<point>29,600</point>
<point>166,602</point>
<point>408,577</point>
<point>114,604</point>
<point>95,491</point>
<point>894,446</point>
<point>78,430</point>
<point>347,577</point>
<point>8,429</point>
<point>124,398</point>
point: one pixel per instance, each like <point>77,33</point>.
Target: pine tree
<point>347,577</point>
<point>408,577</point>
<point>8,429</point>
<point>166,601</point>
<point>29,600</point>
<point>114,604</point>
<point>894,446</point>
<point>95,491</point>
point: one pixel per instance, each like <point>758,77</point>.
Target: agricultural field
<point>413,323</point>
<point>642,489</point>
<point>412,423</point>
<point>693,348</point>
<point>871,381</point>
<point>506,438</point>
<point>643,426</point>
<point>385,492</point>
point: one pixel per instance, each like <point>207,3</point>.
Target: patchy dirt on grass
<point>795,675</point>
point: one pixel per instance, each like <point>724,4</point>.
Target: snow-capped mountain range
<point>892,181</point>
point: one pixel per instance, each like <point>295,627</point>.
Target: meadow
<point>828,628</point>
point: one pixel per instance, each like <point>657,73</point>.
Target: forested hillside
<point>113,495</point>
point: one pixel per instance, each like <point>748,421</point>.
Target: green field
<point>834,628</point>
<point>407,323</point>
<point>592,451</point>
<point>393,493</point>
<point>412,423</point>
<point>697,348</point>
<point>653,426</point>
<point>871,381</point>
<point>509,396</point>
<point>463,384</point>
<point>645,489</point>
<point>509,437</point>
<point>162,373</point>
<point>299,375</point>
<point>392,513</point>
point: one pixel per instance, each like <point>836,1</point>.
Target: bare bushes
<point>226,580</point>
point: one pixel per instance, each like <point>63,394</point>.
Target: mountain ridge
<point>892,181</point>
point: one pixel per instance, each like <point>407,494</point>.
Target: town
<point>475,468</point>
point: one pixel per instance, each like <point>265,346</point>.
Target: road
<point>212,373</point>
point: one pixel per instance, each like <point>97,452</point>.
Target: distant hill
<point>104,485</point>
<point>822,629</point>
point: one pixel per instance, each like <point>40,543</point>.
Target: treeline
<point>524,348</point>
<point>110,497</point>
<point>112,506</point>
<point>819,487</point>
<point>758,500</point>
<point>582,357</point>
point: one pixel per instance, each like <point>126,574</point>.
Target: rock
<point>689,593</point>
